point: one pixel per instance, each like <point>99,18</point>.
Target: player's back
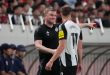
<point>73,32</point>
<point>72,36</point>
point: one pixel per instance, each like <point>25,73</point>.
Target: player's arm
<point>80,53</point>
<point>5,73</point>
<point>20,73</point>
<point>38,42</point>
<point>62,43</point>
<point>11,73</point>
<point>59,50</point>
<point>80,49</point>
<point>39,46</point>
<point>90,25</point>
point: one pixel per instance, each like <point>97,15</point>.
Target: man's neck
<point>66,18</point>
<point>48,24</point>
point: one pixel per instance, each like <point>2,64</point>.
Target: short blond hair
<point>48,9</point>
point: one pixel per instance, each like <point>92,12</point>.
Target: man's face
<point>21,54</point>
<point>51,17</point>
<point>18,11</point>
<point>26,8</point>
<point>9,52</point>
<point>36,13</point>
<point>42,8</point>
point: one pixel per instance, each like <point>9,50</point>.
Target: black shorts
<point>68,70</point>
<point>55,69</point>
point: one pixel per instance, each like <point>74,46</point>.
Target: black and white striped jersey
<point>69,31</point>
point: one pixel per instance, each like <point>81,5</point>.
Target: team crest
<point>47,33</point>
<point>56,29</point>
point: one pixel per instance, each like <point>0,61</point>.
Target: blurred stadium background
<point>96,44</point>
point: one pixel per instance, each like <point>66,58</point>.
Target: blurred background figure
<point>3,14</point>
<point>26,12</point>
<point>106,19</point>
<point>6,62</point>
<point>36,16</point>
<point>31,4</point>
<point>11,4</point>
<point>20,53</point>
<point>13,47</point>
<point>16,16</point>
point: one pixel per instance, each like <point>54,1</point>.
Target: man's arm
<point>38,44</point>
<point>38,41</point>
<point>90,25</point>
<point>20,73</point>
<point>80,55</point>
<point>62,43</point>
<point>59,50</point>
<point>80,48</point>
<point>4,73</point>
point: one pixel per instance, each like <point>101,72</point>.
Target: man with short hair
<point>6,62</point>
<point>46,40</point>
<point>20,53</point>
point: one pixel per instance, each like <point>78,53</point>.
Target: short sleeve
<point>62,34</point>
<point>38,34</point>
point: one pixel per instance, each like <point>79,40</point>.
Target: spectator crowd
<point>35,9</point>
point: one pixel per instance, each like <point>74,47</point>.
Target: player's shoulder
<point>70,22</point>
<point>39,28</point>
<point>61,26</point>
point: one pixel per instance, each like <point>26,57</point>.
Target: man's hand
<point>92,25</point>
<point>79,68</point>
<point>48,66</point>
